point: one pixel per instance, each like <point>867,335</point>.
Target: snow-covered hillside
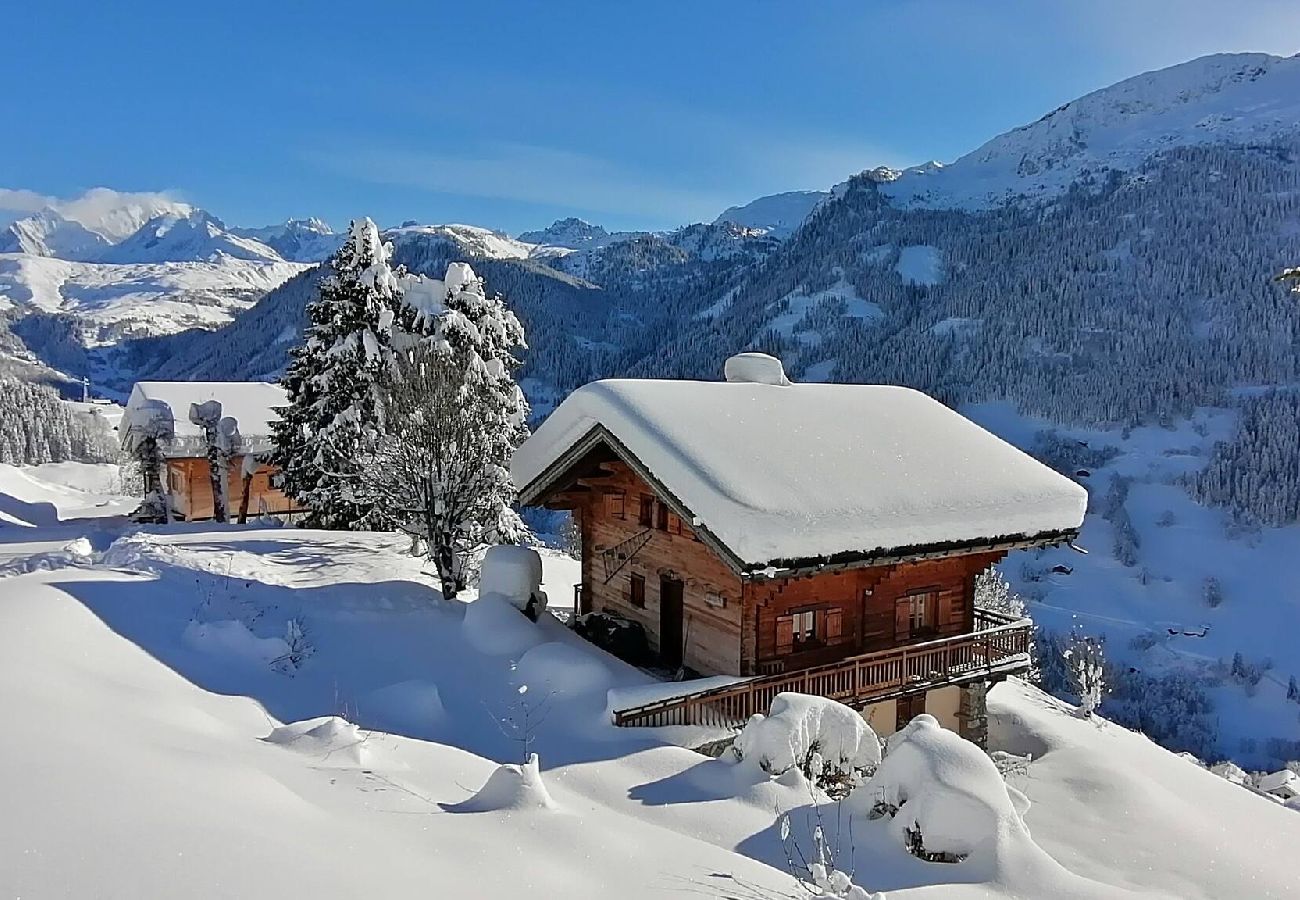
<point>298,240</point>
<point>111,301</point>
<point>265,711</point>
<point>778,215</point>
<point>1237,98</point>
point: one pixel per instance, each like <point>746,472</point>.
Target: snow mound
<point>511,788</point>
<point>946,788</point>
<point>512,573</point>
<point>331,737</point>
<point>799,727</point>
<point>408,706</point>
<point>493,625</point>
<point>562,669</point>
<point>232,638</point>
<point>78,552</point>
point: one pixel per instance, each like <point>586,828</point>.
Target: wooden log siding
<point>857,681</point>
<point>712,592</point>
<point>191,489</point>
<point>857,610</point>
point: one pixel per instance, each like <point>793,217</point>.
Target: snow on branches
<point>335,383</point>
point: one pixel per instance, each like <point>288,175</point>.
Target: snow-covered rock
<point>49,234</point>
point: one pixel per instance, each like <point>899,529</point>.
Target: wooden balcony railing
<point>999,645</point>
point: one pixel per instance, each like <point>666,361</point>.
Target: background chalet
<point>186,479</point>
<point>823,537</point>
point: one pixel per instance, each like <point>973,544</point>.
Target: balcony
<point>999,646</point>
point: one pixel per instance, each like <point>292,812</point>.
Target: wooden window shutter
<point>615,505</point>
<point>902,619</point>
<point>949,612</point>
<point>674,524</point>
<point>784,634</point>
<point>834,624</point>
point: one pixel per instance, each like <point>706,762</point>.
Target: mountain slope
<point>1238,98</point>
<point>298,240</point>
<point>49,234</point>
<point>777,215</point>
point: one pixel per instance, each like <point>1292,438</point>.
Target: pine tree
<point>334,381</point>
<point>454,417</point>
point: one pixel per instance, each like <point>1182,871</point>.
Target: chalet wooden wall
<point>866,602</point>
<point>731,626</point>
<point>190,486</point>
<point>712,612</point>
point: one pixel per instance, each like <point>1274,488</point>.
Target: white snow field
<point>266,712</point>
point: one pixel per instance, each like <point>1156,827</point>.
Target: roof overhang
<point>535,492</point>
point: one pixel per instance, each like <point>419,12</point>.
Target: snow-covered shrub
<point>1086,664</point>
<point>945,797</point>
<point>1212,590</point>
<point>818,872</point>
<point>827,741</point>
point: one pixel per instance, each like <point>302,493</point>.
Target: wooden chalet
<point>163,408</point>
<point>817,538</point>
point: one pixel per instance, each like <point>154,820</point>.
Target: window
<point>638,591</point>
<point>615,506</point>
<point>661,517</point>
<point>921,608</point>
<point>645,511</point>
<point>908,709</point>
<point>796,631</point>
<point>805,627</point>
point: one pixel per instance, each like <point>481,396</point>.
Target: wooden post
<point>247,482</point>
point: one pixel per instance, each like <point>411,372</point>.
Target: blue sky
<point>634,115</point>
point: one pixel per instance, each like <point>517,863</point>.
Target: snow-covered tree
<point>221,433</point>
<point>1291,277</point>
<point>1086,663</point>
<point>454,416</point>
<point>335,385</point>
<point>994,592</point>
<point>153,428</point>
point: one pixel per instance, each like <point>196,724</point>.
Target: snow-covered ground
<point>260,712</point>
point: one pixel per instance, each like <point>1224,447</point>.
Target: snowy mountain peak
<point>186,236</point>
<point>118,214</point>
<point>299,240</point>
<point>777,215</point>
<point>1220,99</point>
<point>574,233</point>
<point>47,233</point>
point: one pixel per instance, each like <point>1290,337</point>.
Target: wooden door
<point>908,709</point>
<point>670,622</point>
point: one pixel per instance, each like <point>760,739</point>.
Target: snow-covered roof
<point>1284,783</point>
<point>251,403</point>
<point>782,473</point>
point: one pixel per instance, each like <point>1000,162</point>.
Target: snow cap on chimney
<point>754,368</point>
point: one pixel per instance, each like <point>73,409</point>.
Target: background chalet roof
<point>251,403</point>
<point>795,472</point>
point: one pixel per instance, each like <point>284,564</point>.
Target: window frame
<point>636,580</point>
<point>645,511</point>
<point>927,622</point>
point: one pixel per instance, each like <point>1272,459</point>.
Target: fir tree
<point>454,417</point>
<point>334,382</point>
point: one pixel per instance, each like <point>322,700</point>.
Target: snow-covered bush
<point>1086,664</point>
<point>994,592</point>
<point>827,741</point>
<point>945,797</point>
<point>1212,590</point>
